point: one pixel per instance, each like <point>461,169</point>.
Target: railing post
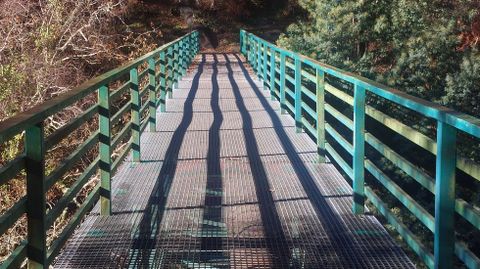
<point>254,55</point>
<point>282,82</point>
<point>197,42</point>
<point>320,92</point>
<point>359,150</point>
<point>251,58</point>
<point>170,72</point>
<point>181,52</point>
<point>444,242</point>
<point>136,105</point>
<point>36,200</point>
<point>264,69</point>
<point>272,74</point>
<point>163,84</point>
<point>298,94</point>
<point>105,150</point>
<point>241,41</point>
<point>175,65</point>
<point>259,58</point>
<point>152,95</point>
<point>188,54</point>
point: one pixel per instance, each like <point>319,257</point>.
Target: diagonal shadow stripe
<point>144,242</point>
<point>339,236</point>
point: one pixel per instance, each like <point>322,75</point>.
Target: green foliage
<point>410,45</point>
<point>426,48</point>
<point>463,87</point>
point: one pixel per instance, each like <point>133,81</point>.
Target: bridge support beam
<point>444,244</point>
<point>359,150</point>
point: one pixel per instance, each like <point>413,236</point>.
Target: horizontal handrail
<point>118,134</point>
<point>21,121</point>
<point>346,146</point>
<point>461,121</point>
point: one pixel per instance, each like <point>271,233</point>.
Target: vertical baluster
<point>320,92</point>
<point>105,150</point>
<point>298,94</point>
<point>36,200</point>
<point>359,150</point>
<point>282,82</point>
<point>170,72</point>
<point>272,74</point>
<point>181,53</point>
<point>136,105</point>
<point>264,68</point>
<point>175,65</point>
<point>444,242</point>
<point>163,85</point>
<point>259,58</point>
<point>188,51</point>
<point>197,42</point>
<point>152,95</point>
<point>241,42</point>
<point>254,55</point>
<point>249,50</point>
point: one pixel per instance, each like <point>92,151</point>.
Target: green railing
<point>302,84</point>
<point>145,84</point>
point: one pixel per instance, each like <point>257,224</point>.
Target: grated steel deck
<point>225,182</point>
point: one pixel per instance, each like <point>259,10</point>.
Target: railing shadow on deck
<point>144,245</point>
<point>335,228</point>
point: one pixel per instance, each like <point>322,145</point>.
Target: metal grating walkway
<point>225,182</point>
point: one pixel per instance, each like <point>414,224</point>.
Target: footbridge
<point>259,159</point>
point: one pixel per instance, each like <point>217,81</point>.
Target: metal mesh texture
<point>226,182</point>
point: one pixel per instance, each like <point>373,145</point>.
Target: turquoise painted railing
<point>287,75</point>
<point>149,80</point>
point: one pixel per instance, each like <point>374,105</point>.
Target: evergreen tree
<point>408,44</point>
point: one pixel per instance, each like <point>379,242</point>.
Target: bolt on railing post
<point>282,82</point>
<point>36,197</point>
<point>272,74</point>
<point>163,77</point>
<point>320,104</point>
<point>298,94</point>
<point>264,69</point>
<point>444,237</point>
<point>169,72</point>
<point>152,95</point>
<point>136,105</point>
<point>105,150</point>
<point>359,150</point>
